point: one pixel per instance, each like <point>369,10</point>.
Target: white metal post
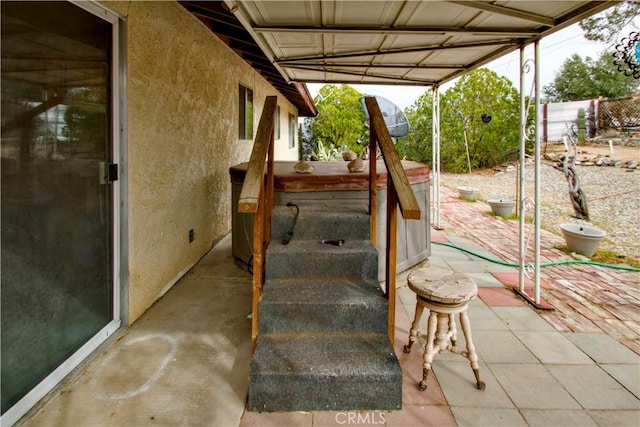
<point>435,167</point>
<point>521,184</point>
<point>537,175</point>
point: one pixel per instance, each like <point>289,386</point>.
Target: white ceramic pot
<point>501,207</point>
<point>468,193</point>
<point>581,238</point>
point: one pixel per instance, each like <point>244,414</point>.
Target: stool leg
<point>413,333</point>
<point>471,350</point>
<point>453,331</point>
<point>429,349</point>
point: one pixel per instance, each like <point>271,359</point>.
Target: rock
<point>356,165</point>
<point>303,167</point>
<point>632,164</point>
<point>349,156</point>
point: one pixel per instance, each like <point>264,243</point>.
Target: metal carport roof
<point>397,42</point>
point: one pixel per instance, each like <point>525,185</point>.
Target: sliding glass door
<point>57,195</point>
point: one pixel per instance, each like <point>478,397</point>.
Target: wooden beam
<point>254,179</point>
<point>395,172</point>
<point>390,259</point>
<point>373,192</point>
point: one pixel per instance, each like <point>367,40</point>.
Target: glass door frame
<point>119,251</point>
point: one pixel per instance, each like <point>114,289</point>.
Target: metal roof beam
<point>419,31</point>
<point>293,64</point>
<point>356,54</point>
<point>363,75</point>
<point>501,10</point>
<point>371,82</point>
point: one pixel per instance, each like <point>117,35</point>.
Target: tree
<point>580,79</point>
<point>417,144</point>
<point>340,120</point>
<point>607,26</point>
<point>482,109</point>
<point>481,113</point>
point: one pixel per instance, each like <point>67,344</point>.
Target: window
<point>292,131</point>
<point>245,113</point>
<point>277,122</point>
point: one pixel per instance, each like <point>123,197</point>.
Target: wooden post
<point>270,185</point>
<point>390,279</point>
<point>373,193</point>
<point>258,262</point>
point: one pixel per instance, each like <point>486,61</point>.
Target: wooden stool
<point>444,294</point>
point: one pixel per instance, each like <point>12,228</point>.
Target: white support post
<point>435,170</point>
<point>521,176</point>
<point>537,176</point>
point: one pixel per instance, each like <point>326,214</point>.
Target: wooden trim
<point>407,200</point>
<point>390,258</point>
<point>270,190</point>
<point>373,191</point>
<point>258,261</point>
<point>254,180</point>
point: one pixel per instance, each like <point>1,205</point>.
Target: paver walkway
<point>586,298</point>
<point>565,367</point>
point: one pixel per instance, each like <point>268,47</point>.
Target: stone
<point>303,167</point>
<point>349,156</point>
<point>356,165</point>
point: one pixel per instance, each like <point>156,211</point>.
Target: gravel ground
<point>613,199</point>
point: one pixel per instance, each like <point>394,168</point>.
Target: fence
<point>557,116</point>
<point>621,114</point>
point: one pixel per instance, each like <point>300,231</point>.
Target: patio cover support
<point>524,134</point>
<point>435,153</point>
<point>536,273</point>
<point>520,205</point>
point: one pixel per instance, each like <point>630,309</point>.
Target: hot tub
<point>332,183</point>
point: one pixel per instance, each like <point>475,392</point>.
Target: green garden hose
<point>545,264</point>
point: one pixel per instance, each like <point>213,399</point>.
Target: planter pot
<point>501,207</point>
<point>581,238</point>
<point>468,193</point>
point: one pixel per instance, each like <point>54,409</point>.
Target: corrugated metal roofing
<point>381,42</point>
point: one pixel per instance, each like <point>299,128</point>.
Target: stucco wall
<point>182,100</point>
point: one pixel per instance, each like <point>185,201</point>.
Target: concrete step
<point>320,223</point>
<point>312,259</point>
<point>311,372</point>
<point>308,305</point>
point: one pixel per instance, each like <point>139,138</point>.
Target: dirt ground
<point>589,150</point>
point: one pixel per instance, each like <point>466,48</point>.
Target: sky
<point>554,50</point>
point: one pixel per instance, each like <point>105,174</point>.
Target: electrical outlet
<point>191,236</point>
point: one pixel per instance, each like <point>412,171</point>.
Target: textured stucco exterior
<point>182,137</point>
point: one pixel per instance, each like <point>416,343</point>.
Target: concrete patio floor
<point>186,361</point>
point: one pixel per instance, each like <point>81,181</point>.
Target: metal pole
<point>435,113</point>
<point>537,175</point>
<point>521,177</point>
